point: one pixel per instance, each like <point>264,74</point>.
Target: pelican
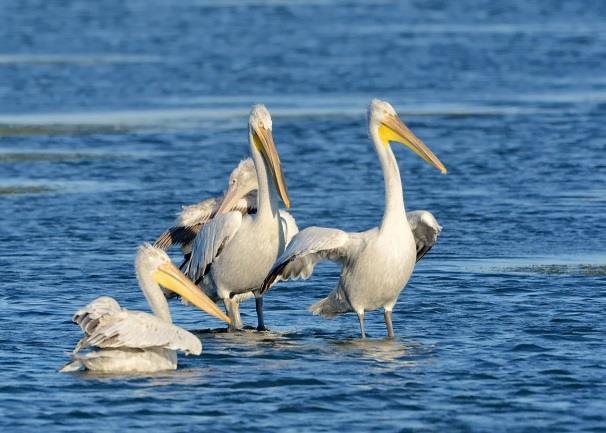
<point>375,264</point>
<point>232,253</point>
<point>134,341</point>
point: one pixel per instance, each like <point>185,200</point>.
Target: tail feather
<point>72,366</point>
<point>330,306</point>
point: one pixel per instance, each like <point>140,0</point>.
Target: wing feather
<point>192,218</point>
<point>305,250</point>
<point>289,226</point>
<point>139,330</point>
<point>425,229</point>
<point>95,313</point>
<point>210,242</point>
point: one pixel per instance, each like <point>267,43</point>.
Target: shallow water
<point>104,106</point>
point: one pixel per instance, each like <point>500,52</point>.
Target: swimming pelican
<point>134,341</point>
<point>232,253</point>
<point>376,264</point>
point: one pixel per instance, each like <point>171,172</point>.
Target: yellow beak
<point>168,276</point>
<point>393,129</point>
<point>264,143</point>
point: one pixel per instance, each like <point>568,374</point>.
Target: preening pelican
<point>134,341</point>
<point>376,264</point>
<point>243,187</point>
<point>191,218</point>
<point>232,254</point>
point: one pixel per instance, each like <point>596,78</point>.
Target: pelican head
<point>155,270</point>
<point>244,176</point>
<point>385,122</point>
<point>261,140</point>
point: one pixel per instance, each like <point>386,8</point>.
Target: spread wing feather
<point>305,250</point>
<point>192,218</point>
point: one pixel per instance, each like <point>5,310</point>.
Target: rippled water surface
<point>113,114</point>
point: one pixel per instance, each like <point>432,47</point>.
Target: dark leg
<point>361,319</point>
<point>388,323</point>
<point>259,307</point>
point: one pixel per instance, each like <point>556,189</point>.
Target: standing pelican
<point>376,264</point>
<point>233,253</point>
<point>134,341</point>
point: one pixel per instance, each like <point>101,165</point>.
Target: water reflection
<point>381,350</point>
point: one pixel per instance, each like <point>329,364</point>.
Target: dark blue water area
<point>113,114</point>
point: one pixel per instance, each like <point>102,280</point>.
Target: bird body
<point>376,264</point>
<point>123,341</point>
<point>232,254</point>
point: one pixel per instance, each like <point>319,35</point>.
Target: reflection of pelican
<point>387,350</point>
<point>134,341</point>
<point>232,253</point>
<point>376,264</point>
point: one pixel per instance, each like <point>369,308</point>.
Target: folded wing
<point>425,229</point>
<point>139,330</point>
<point>209,243</point>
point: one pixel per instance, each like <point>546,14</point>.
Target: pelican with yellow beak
<point>376,264</point>
<point>232,253</point>
<point>134,341</point>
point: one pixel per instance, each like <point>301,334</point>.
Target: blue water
<point>113,114</point>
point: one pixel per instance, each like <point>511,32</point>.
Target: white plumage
<point>232,253</point>
<point>133,341</point>
<point>375,264</point>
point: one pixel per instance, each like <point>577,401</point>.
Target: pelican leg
<point>361,319</point>
<point>233,311</point>
<point>388,323</point>
<point>259,308</point>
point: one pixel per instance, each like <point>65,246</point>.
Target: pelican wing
<point>96,313</point>
<point>425,229</point>
<point>305,250</point>
<point>209,243</point>
<point>177,235</point>
<point>289,225</point>
<point>139,330</point>
<point>192,218</point>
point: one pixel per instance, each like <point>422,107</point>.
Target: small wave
<point>14,155</point>
<point>16,128</point>
<point>18,187</point>
<point>479,28</point>
<point>77,59</point>
<point>25,189</point>
<point>575,269</point>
